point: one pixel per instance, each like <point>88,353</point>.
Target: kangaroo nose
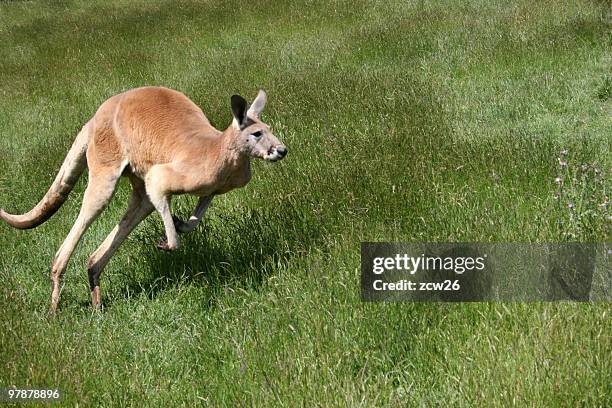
<point>282,150</point>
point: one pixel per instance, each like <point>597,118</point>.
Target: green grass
<point>406,121</point>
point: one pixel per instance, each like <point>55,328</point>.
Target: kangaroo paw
<point>164,246</point>
<point>180,225</point>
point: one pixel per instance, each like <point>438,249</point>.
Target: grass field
<point>405,121</point>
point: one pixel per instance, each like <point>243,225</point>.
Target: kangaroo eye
<point>257,134</point>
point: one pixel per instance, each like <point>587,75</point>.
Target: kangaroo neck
<point>232,167</point>
<point>230,156</point>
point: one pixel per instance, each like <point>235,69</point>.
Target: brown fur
<point>163,142</point>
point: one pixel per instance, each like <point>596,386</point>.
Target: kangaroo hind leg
<point>138,209</point>
<point>100,188</point>
<point>157,184</point>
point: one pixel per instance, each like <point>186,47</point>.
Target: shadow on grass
<point>231,251</point>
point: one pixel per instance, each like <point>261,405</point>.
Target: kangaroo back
<point>69,173</point>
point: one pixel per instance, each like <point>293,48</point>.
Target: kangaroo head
<point>253,137</point>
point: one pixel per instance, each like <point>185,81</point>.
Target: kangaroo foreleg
<point>196,216</point>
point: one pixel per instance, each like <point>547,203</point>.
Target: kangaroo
<point>163,143</point>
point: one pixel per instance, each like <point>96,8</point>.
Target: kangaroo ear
<point>239,109</point>
<point>258,103</point>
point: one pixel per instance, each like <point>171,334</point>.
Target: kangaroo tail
<point>69,173</point>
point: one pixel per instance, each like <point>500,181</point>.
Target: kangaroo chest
<point>221,180</point>
<point>235,179</point>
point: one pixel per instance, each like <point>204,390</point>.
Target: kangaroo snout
<point>276,153</point>
<point>282,151</point>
